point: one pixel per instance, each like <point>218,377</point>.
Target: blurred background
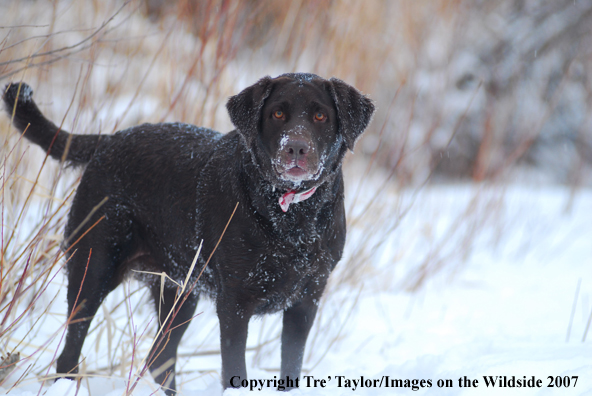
<point>469,90</point>
<point>474,97</point>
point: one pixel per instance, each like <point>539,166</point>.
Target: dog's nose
<point>296,148</point>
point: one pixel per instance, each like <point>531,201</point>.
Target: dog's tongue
<point>294,197</point>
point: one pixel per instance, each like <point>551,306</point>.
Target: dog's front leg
<point>297,322</point>
<point>234,316</point>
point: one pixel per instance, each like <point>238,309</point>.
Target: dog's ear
<point>354,110</point>
<point>245,108</point>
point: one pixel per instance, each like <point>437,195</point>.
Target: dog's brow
<point>317,104</point>
<point>284,104</point>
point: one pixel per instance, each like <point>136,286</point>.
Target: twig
<point>573,310</point>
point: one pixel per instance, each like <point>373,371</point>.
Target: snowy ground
<point>502,308</point>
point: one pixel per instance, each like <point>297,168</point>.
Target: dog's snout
<point>297,148</point>
<point>297,157</point>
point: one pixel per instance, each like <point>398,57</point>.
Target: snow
<point>502,310</point>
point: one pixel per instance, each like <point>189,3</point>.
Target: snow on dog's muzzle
<point>294,197</point>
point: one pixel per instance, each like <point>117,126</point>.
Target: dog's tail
<point>59,144</point>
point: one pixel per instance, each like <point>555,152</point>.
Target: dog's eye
<point>320,116</point>
<point>278,114</point>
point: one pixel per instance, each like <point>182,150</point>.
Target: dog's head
<point>298,126</point>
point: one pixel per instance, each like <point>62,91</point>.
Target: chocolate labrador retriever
<point>151,194</point>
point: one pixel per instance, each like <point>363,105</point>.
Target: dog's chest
<point>281,276</point>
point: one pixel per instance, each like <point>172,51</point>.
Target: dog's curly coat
<point>170,186</point>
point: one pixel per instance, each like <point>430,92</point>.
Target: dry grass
<point>101,66</point>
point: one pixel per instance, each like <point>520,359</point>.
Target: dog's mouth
<point>296,173</point>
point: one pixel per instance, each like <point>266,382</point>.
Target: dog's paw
<point>21,91</point>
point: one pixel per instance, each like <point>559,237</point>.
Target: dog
<point>265,201</point>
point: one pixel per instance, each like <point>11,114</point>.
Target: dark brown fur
<point>170,186</point>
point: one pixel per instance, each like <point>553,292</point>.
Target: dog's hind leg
<point>97,252</point>
<point>173,320</point>
<point>91,276</point>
